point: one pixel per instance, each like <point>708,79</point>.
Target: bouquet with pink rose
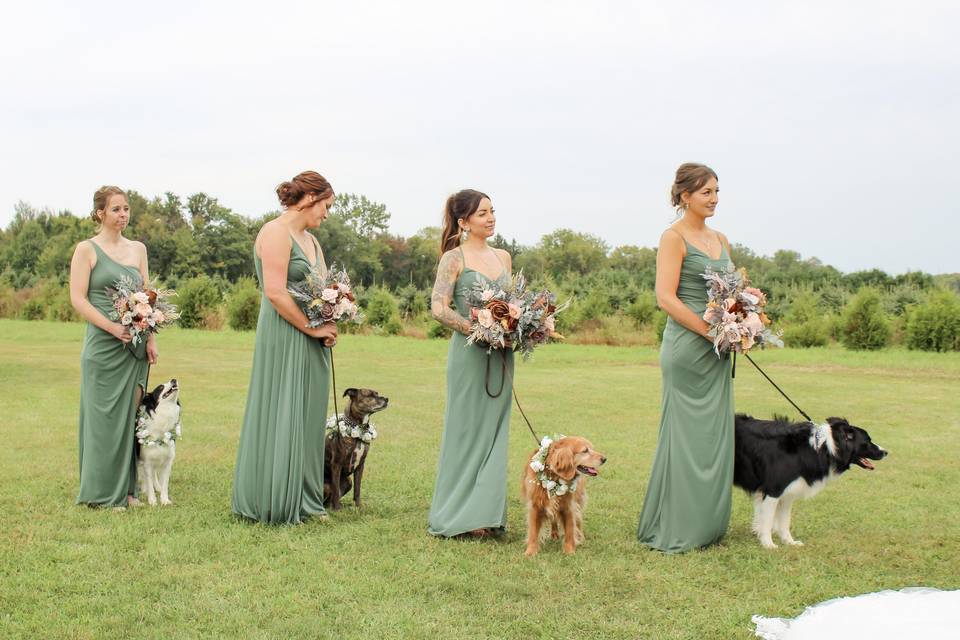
<point>735,312</point>
<point>143,308</point>
<point>326,296</point>
<point>512,317</point>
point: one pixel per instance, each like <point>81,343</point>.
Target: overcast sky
<point>833,125</point>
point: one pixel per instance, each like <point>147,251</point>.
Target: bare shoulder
<point>85,249</point>
<point>451,258</point>
<point>139,247</point>
<point>671,238</point>
<point>723,239</point>
<point>273,232</point>
<point>504,255</point>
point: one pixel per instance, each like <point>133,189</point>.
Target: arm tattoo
<point>447,272</point>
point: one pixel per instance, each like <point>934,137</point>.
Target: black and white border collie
<point>158,427</point>
<point>778,462</point>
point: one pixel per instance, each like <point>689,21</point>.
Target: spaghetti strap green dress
<point>687,504</point>
<point>110,372</point>
<point>471,486</point>
<point>279,473</point>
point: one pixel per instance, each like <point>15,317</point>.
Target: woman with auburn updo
<point>113,372</point>
<point>279,474</point>
<point>470,496</point>
<point>687,504</point>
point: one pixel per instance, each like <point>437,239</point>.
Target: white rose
<point>355,433</point>
<point>546,442</point>
<point>328,295</point>
<point>141,297</point>
<point>537,466</point>
<point>562,489</point>
<point>366,437</point>
<point>550,485</point>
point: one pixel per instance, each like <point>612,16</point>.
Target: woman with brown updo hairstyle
<point>687,504</point>
<point>279,473</point>
<point>470,495</point>
<point>113,371</point>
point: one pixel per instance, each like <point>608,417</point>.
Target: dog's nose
<point>173,382</point>
<point>603,460</point>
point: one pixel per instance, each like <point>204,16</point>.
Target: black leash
<point>503,375</point>
<point>333,375</point>
<point>802,412</point>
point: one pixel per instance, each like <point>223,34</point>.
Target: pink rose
<point>143,309</point>
<point>514,311</point>
<point>753,324</point>
<point>141,297</point>
<point>549,325</point>
<point>158,317</point>
<point>328,295</point>
<point>485,318</point>
<point>486,295</point>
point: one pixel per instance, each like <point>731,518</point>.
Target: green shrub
<point>438,330</point>
<point>243,305</point>
<point>643,310</point>
<point>659,324</point>
<point>383,311</point>
<point>812,333</point>
<point>32,309</point>
<point>865,326</point>
<point>10,302</point>
<point>412,301</point>
<point>197,299</point>
<point>57,300</point>
<point>935,324</point>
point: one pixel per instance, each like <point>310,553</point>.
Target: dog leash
<point>333,375</point>
<point>802,412</point>
<point>513,388</point>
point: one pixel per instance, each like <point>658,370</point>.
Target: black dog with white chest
<point>347,445</point>
<point>779,461</point>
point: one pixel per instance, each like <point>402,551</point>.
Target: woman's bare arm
<point>81,264</point>
<point>669,261</point>
<point>447,273</point>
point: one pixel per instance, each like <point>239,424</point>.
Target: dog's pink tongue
<point>866,463</point>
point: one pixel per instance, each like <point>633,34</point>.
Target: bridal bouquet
<point>512,317</point>
<point>142,309</point>
<point>326,297</point>
<point>735,312</point>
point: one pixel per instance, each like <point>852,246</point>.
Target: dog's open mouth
<point>169,391</point>
<point>866,464</point>
<point>590,471</point>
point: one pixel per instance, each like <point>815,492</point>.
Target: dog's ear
<point>560,460</point>
<point>149,401</point>
<point>351,392</point>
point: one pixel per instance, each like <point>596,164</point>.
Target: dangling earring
<point>464,235</point>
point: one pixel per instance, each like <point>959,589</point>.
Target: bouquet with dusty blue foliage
<point>326,296</point>
<point>735,312</point>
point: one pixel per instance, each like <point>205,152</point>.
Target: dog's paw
<point>152,500</point>
<point>166,501</point>
<point>531,551</point>
<point>768,543</point>
<point>794,543</point>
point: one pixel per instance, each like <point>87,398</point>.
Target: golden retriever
<point>557,491</point>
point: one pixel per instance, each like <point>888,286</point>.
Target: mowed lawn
<point>192,570</point>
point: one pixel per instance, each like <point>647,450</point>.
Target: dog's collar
<point>144,437</point>
<point>347,428</point>
<point>553,487</point>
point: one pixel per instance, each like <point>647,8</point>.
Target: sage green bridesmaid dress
<point>279,473</point>
<point>687,504</point>
<point>471,485</point>
<point>110,372</point>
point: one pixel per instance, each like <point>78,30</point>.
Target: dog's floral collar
<point>144,437</point>
<point>556,487</point>
<point>364,431</point>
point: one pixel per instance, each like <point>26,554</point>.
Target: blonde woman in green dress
<point>113,371</point>
<point>279,473</point>
<point>470,495</point>
<point>687,504</point>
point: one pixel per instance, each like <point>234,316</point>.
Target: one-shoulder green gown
<point>471,485</point>
<point>279,474</point>
<point>687,504</point>
<point>110,372</point>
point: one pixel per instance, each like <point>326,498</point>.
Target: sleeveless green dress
<point>110,372</point>
<point>471,486</point>
<point>688,500</point>
<point>279,474</point>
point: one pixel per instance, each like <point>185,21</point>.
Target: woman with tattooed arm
<point>470,495</point>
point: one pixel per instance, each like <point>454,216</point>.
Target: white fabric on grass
<point>916,612</point>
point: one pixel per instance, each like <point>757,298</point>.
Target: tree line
<point>198,239</point>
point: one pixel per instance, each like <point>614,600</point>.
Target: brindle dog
<point>343,455</point>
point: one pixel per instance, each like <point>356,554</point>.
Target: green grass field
<point>192,570</point>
